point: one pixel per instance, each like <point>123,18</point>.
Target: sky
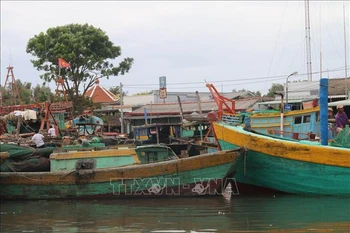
<point>233,44</point>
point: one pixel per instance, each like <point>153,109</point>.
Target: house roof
<point>336,86</point>
<point>336,89</point>
<point>98,94</point>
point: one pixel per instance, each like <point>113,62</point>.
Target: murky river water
<point>274,213</point>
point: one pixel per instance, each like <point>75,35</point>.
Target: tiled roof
<point>336,86</point>
<point>99,94</point>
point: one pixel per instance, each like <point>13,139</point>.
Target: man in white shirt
<point>52,131</point>
<point>38,139</point>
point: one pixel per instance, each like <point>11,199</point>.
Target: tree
<point>87,49</point>
<point>276,87</point>
<point>258,93</point>
<point>42,94</point>
<point>28,95</point>
<point>24,90</point>
<point>116,91</point>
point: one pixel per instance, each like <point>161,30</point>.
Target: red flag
<point>62,63</point>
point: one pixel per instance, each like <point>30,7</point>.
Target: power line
<point>279,77</point>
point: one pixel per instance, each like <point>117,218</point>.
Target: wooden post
<point>18,127</point>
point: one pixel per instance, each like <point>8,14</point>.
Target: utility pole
<point>308,41</point>
<point>121,109</point>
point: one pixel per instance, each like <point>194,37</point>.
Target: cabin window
<point>143,153</point>
<point>297,120</point>
<point>152,157</point>
<point>307,119</point>
<point>317,116</point>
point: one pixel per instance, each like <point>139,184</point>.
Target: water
<point>274,213</point>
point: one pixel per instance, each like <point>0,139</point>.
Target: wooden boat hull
<point>285,165</point>
<point>199,175</point>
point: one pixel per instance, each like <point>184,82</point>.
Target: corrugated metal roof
<point>189,107</point>
<point>341,102</point>
<point>289,101</point>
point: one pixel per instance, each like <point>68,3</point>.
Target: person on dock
<point>38,139</point>
<point>52,131</point>
<point>341,119</point>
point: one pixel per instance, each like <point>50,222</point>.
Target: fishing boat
<point>122,173</point>
<point>286,164</point>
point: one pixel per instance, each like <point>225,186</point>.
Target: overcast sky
<point>235,45</point>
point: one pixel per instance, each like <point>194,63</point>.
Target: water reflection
<point>209,214</point>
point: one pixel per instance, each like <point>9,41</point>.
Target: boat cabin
<point>88,160</point>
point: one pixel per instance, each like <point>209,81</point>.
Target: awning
<point>341,102</point>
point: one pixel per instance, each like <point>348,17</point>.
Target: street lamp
<point>294,73</point>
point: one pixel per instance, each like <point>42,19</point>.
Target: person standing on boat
<point>341,119</point>
<point>38,139</point>
<point>52,131</point>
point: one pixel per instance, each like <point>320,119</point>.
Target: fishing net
<point>17,152</point>
<point>342,139</point>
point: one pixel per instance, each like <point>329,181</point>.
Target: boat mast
<point>308,41</point>
<point>346,62</point>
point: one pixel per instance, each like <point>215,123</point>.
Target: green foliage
<point>116,91</point>
<point>88,50</point>
<point>42,94</point>
<point>10,96</point>
<point>83,103</point>
<point>276,87</point>
<point>28,95</point>
<point>144,93</point>
<point>258,93</point>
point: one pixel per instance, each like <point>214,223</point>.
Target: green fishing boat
<point>143,172</point>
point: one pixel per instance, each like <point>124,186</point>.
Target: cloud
<point>186,41</point>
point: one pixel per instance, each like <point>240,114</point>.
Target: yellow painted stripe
<point>267,125</point>
<point>289,113</point>
<point>285,149</point>
<point>127,172</point>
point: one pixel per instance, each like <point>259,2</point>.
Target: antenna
<point>308,41</point>
<point>10,56</point>
<point>12,88</point>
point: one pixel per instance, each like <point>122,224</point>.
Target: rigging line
<point>330,10</point>
<point>283,51</point>
<point>298,53</point>
<point>282,77</point>
<point>278,36</point>
<point>336,19</point>
<point>236,80</point>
